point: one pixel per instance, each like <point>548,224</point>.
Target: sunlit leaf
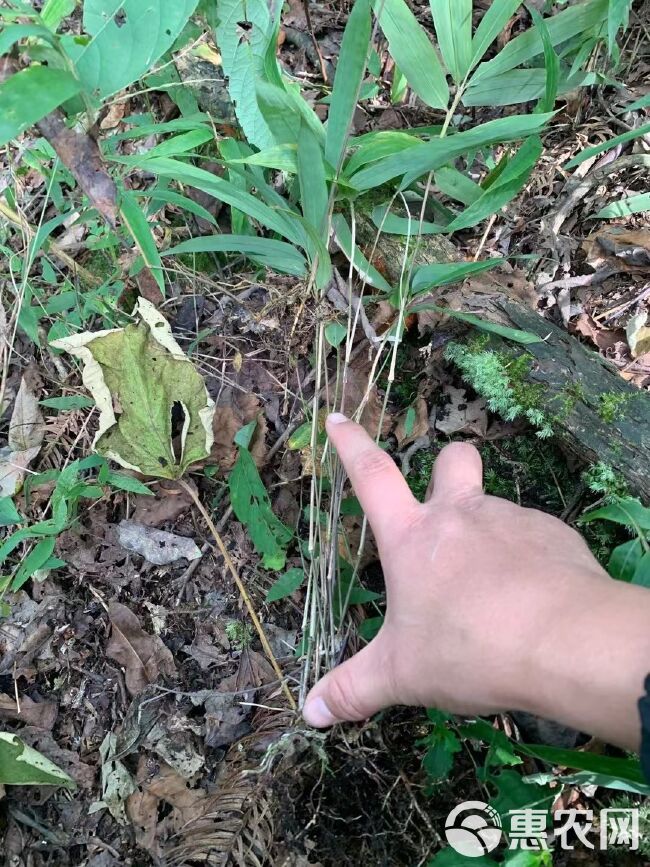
<point>29,95</point>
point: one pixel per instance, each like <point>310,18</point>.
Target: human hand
<point>479,593</point>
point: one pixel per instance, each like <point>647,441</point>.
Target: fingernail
<point>337,418</point>
<point>317,713</point>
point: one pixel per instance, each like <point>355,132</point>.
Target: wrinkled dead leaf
<point>638,334</point>
<point>618,248</point>
<point>606,339</point>
<point>155,412</point>
<point>144,657</point>
<point>359,393</point>
<point>413,423</point>
<point>26,432</point>
<point>117,782</point>
<point>173,741</point>
<point>226,719</point>
<point>242,409</point>
<point>460,415</point>
<point>156,546</point>
<point>41,714</point>
<point>169,503</point>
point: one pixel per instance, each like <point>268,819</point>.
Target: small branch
<point>242,590</point>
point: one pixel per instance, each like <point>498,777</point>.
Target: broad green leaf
<point>335,334</point>
<point>624,560</point>
<point>244,32</point>
<point>439,758</point>
<point>71,401</point>
<point>181,124</point>
<point>285,585</point>
<point>521,85</point>
<point>515,794</point>
<point>628,770</point>
<point>641,575</point>
<point>140,230</point>
<point>343,237</point>
<point>129,36</point>
<point>8,512</point>
<point>279,111</point>
<point>311,177</point>
<point>508,185</point>
<point>17,32</point>
<point>609,144</point>
<point>551,64</point>
<point>376,147</point>
<point>624,511</point>
<point>514,334</point>
<point>350,69</point>
<point>29,95</point>
<point>370,627</point>
<point>623,208</point>
<point>283,157</point>
<point>35,560</point>
<point>453,22</point>
<point>442,274</point>
<point>20,765</point>
<point>456,185</point>
<point>252,506</point>
<point>561,27</point>
<point>432,155</point>
<point>54,11</point>
<point>270,253</point>
<point>497,15</point>
<point>186,173</point>
<point>393,224</point>
<point>412,51</point>
<point>162,397</point>
<point>126,483</point>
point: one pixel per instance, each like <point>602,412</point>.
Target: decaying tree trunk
<point>593,410</point>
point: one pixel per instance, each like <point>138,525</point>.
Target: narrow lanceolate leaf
<point>412,51</point>
<point>434,154</point>
<point>625,207</point>
<point>562,27</point>
<point>350,70</point>
<point>277,255</point>
<point>442,274</point>
<point>609,144</point>
<point>498,13</point>
<point>165,419</point>
<point>129,36</point>
<point>522,85</point>
<point>626,511</point>
<point>551,64</point>
<point>16,32</point>
<point>29,95</point>
<point>453,22</point>
<point>140,230</point>
<point>311,175</point>
<point>618,16</point>
<point>54,11</point>
<point>20,765</point>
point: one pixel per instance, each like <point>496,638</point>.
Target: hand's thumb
<point>353,691</point>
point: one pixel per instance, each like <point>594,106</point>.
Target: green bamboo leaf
<point>282,158</point>
<point>609,144</point>
<point>122,482</point>
<point>456,185</point>
<point>20,765</point>
<point>442,274</point>
<point>8,512</point>
<point>54,11</point>
<point>270,253</point>
<point>376,146</point>
<point>497,15</point>
<point>551,63</point>
<point>562,27</point>
<point>453,22</point>
<point>343,237</point>
<point>618,15</point>
<point>514,334</point>
<point>393,224</point>
<point>432,155</point>
<point>35,560</point>
<point>159,196</point>
<point>624,207</point>
<point>522,85</point>
<point>9,36</point>
<point>29,95</point>
<point>350,69</point>
<point>180,144</point>
<point>129,36</point>
<point>412,51</point>
<point>313,185</point>
<point>140,230</point>
<point>504,189</point>
<point>642,102</point>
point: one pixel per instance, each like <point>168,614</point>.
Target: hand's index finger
<point>380,487</point>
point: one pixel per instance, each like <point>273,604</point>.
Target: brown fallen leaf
<point>358,393</point>
<point>230,417</point>
<point>413,423</point>
<point>41,714</point>
<point>605,339</point>
<point>170,502</point>
<point>144,657</point>
<point>460,415</point>
<point>26,432</point>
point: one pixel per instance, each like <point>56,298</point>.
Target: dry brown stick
<point>243,592</point>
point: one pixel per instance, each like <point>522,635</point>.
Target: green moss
<point>201,262</point>
<point>502,380</point>
<point>240,634</point>
<point>601,478</point>
<point>611,405</point>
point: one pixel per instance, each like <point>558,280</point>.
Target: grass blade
<point>350,70</point>
<point>412,51</point>
<point>453,22</point>
<point>625,207</point>
<point>624,137</point>
<point>498,14</point>
<point>269,252</point>
<point>140,230</point>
